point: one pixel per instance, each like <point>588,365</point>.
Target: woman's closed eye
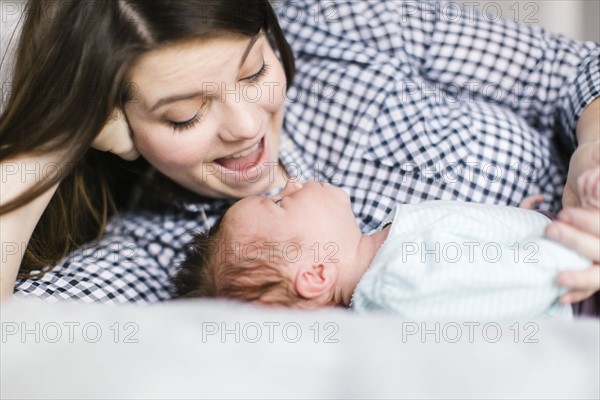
<point>260,74</point>
<point>190,123</point>
<point>184,125</point>
<point>187,124</point>
<point>277,202</point>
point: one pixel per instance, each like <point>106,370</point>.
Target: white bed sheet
<point>174,352</point>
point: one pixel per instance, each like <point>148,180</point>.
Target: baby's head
<point>289,250</point>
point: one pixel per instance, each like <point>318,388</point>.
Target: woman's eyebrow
<point>186,96</point>
<point>250,45</point>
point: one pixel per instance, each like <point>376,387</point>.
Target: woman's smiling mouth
<point>245,152</point>
<point>245,159</point>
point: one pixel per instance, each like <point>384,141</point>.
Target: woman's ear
<point>315,280</point>
<point>116,138</point>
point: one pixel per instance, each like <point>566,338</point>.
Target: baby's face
<point>318,214</point>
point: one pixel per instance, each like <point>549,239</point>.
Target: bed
<point>203,348</point>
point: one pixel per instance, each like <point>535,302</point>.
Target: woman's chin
<point>236,190</point>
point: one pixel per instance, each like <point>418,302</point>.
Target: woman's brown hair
<point>70,75</point>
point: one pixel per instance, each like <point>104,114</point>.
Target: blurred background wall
<point>578,19</point>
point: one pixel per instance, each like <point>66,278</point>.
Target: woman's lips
<point>245,152</point>
<point>245,159</point>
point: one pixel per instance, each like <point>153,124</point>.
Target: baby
<point>438,259</point>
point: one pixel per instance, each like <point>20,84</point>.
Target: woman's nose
<point>241,121</point>
<point>291,186</point>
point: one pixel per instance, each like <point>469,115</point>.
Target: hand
<point>589,187</point>
<point>587,154</point>
<point>579,229</point>
<point>115,137</point>
<point>530,202</point>
<point>586,157</point>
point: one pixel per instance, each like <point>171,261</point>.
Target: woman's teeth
<point>244,159</point>
<point>245,152</point>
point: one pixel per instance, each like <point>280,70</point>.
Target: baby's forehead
<point>241,217</point>
<point>243,206</point>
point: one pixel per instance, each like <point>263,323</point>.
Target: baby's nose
<point>291,186</point>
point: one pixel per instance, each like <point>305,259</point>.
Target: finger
<point>570,198</point>
<point>530,202</point>
<point>583,219</point>
<point>588,186</point>
<point>588,177</point>
<point>575,296</point>
<point>586,244</point>
<point>588,279</point>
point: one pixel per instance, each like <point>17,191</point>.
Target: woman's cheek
<point>169,151</point>
<point>275,98</point>
<point>273,88</point>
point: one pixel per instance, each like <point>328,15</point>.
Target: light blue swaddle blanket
<point>453,260</point>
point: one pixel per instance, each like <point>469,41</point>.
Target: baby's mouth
<point>244,159</point>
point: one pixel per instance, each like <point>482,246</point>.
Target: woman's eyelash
<point>181,126</point>
<point>256,77</point>
<point>278,202</point>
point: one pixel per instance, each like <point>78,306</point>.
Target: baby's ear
<point>315,280</point>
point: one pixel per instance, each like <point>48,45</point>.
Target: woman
<point>391,102</point>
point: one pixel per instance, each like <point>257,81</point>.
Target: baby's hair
<point>206,272</point>
<point>193,278</point>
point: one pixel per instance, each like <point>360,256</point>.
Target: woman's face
<point>208,114</point>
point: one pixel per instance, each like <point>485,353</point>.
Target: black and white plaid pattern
<point>394,102</point>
